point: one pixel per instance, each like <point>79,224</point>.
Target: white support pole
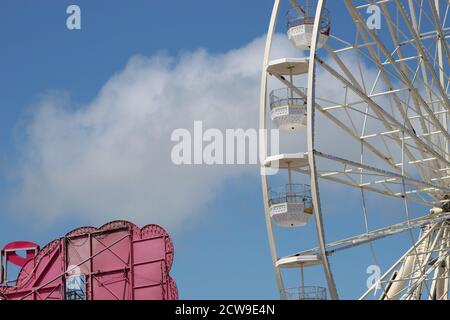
<point>441,43</point>
<point>291,89</point>
<point>302,270</point>
<point>290,178</point>
<point>311,154</point>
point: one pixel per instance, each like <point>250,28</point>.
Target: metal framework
<point>392,113</point>
<point>118,261</point>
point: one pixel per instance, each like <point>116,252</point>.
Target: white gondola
<point>288,109</point>
<point>288,105</point>
<point>291,204</point>
<point>300,24</point>
<point>301,261</point>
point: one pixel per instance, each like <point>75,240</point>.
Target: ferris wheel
<point>385,92</point>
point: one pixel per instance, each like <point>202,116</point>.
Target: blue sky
<point>222,251</point>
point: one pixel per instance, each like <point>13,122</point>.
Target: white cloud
<point>110,159</point>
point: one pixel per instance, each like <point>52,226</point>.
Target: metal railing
<point>305,293</point>
<point>286,97</point>
<point>294,19</point>
<point>290,193</point>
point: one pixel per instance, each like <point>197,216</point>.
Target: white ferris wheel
<point>391,114</point>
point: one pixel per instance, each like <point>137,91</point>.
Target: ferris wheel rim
<point>312,152</point>
<point>263,102</point>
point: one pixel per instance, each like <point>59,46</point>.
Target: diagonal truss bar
<point>395,175</point>
<point>43,285</point>
<point>378,108</point>
<point>378,234</point>
<point>418,282</point>
<point>369,187</point>
<point>424,54</point>
<point>418,100</point>
<point>355,14</point>
<point>381,118</point>
<point>340,124</point>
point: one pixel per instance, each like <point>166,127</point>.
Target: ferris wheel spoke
<point>413,195</point>
<point>391,120</point>
<point>418,100</point>
<point>385,157</point>
<point>380,172</point>
<point>396,32</point>
<point>348,73</point>
<point>392,134</point>
<point>378,234</point>
<point>384,183</point>
<point>419,163</point>
<point>373,57</point>
<point>377,176</point>
<point>401,70</point>
<point>424,55</point>
<point>441,43</point>
<point>439,28</point>
<point>298,8</point>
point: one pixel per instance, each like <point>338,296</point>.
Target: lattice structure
<point>118,261</point>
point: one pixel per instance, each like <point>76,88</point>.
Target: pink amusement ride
<point>118,261</point>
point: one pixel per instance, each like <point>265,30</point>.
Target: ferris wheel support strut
<point>418,100</point>
<point>405,77</point>
<point>341,125</point>
<point>442,257</point>
<point>377,107</point>
<point>375,151</point>
<point>387,125</point>
<point>401,260</point>
<point>430,68</point>
<point>441,44</point>
<point>438,286</point>
<point>371,236</point>
<point>311,154</point>
<point>371,148</point>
